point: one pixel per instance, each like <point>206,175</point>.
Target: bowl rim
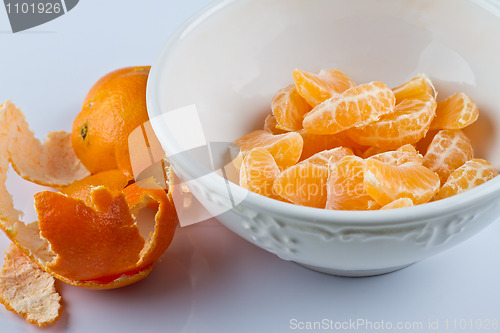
<point>480,195</point>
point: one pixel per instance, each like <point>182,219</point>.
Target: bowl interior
<point>230,59</point>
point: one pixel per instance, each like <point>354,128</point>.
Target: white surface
<point>210,280</point>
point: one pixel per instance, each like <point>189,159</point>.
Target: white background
<point>210,280</point>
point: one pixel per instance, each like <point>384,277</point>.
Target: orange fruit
<point>455,112</point>
<point>409,123</point>
<point>402,155</point>
<point>305,183</point>
<point>415,89</point>
<point>448,150</point>
<point>317,88</point>
<point>473,173</point>
<point>386,183</point>
<point>399,203</point>
<point>345,188</point>
<point>285,148</point>
<point>258,172</point>
<point>289,108</point>
<point>270,125</point>
<point>112,109</point>
<point>357,106</point>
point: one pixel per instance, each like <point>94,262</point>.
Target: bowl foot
<point>354,273</point>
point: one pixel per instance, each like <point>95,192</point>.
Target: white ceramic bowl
<point>231,58</point>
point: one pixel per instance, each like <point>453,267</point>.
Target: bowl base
<point>354,273</point>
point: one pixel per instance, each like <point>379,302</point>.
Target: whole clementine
<point>114,106</point>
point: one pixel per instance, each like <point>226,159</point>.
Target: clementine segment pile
<point>362,147</point>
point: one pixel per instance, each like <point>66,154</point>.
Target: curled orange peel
<point>52,163</point>
<point>27,290</point>
<point>87,235</point>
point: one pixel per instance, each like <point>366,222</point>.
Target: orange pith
<point>402,155</point>
<point>385,182</point>
<point>407,124</point>
<point>285,148</point>
<point>289,108</point>
<point>317,88</point>
<point>113,107</point>
<point>455,112</point>
<point>345,188</point>
<point>415,89</point>
<point>305,183</point>
<point>258,172</point>
<point>448,150</point>
<point>357,106</point>
<point>473,173</point>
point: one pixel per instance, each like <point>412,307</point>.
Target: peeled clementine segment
<point>258,172</point>
<point>448,150</point>
<point>370,151</point>
<point>114,180</point>
<point>402,155</point>
<point>285,148</point>
<point>270,125</point>
<point>315,143</point>
<point>409,123</point>
<point>473,173</point>
<point>345,188</point>
<point>415,89</point>
<point>385,182</point>
<point>305,183</point>
<point>317,88</point>
<point>455,112</point>
<point>27,290</point>
<point>52,163</point>
<point>399,203</point>
<point>357,106</point>
<point>289,108</point>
